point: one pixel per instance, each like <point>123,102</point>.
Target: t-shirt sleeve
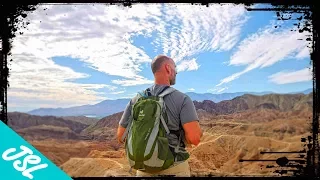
<point>188,111</point>
<point>124,121</point>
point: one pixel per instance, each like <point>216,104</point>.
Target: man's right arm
<point>124,121</point>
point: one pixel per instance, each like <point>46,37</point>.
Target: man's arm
<point>124,121</point>
<point>193,132</point>
<point>190,122</point>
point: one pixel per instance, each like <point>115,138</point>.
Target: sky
<point>71,55</point>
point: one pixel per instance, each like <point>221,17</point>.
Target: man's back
<point>179,108</point>
<point>182,120</point>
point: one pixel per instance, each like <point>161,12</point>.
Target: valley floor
<point>224,143</point>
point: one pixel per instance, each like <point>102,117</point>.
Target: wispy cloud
<point>129,96</point>
<point>286,77</point>
<point>188,65</point>
<point>118,92</point>
<point>190,30</point>
<point>265,48</point>
<point>132,82</point>
<point>191,89</point>
<point>217,89</point>
<point>222,89</point>
<point>304,53</point>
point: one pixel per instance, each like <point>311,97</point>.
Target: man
<point>182,116</point>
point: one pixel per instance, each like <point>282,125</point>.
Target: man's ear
<point>167,68</point>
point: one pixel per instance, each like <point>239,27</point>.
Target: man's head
<point>164,69</point>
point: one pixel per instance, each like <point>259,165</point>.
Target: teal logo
<point>20,160</point>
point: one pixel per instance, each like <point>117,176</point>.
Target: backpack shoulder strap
<point>167,91</point>
<point>161,95</point>
<point>134,100</point>
<point>147,92</point>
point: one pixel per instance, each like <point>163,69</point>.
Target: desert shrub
<point>115,145</point>
<point>281,136</point>
<point>281,128</point>
<point>291,130</point>
<point>244,127</point>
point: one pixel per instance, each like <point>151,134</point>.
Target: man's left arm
<point>190,122</point>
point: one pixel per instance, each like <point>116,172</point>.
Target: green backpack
<point>146,144</point>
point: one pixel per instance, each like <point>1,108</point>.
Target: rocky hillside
<point>81,119</point>
<point>281,102</point>
<point>23,120</point>
<point>105,128</point>
<point>42,127</point>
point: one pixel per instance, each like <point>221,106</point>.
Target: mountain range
<point>97,111</point>
<point>228,96</point>
<point>109,107</point>
<point>240,128</point>
<point>279,102</point>
<point>41,127</point>
<point>247,105</point>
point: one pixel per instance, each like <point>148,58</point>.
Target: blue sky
<point>219,49</point>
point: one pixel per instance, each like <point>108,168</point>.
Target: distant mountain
<point>308,91</point>
<point>101,109</point>
<point>109,107</point>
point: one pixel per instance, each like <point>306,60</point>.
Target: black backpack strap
<point>147,92</point>
<point>165,88</point>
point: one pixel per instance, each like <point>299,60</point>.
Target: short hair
<point>157,62</point>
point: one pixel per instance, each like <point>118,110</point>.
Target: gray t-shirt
<point>179,108</point>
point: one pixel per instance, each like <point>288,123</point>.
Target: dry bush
<point>115,145</point>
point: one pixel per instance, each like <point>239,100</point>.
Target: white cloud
<point>37,82</point>
<point>304,53</point>
<point>101,37</point>
<point>188,65</point>
<point>191,89</point>
<point>188,30</point>
<point>97,35</point>
<point>132,82</point>
<point>265,48</point>
<point>222,89</point>
<point>53,94</point>
<point>118,92</point>
<point>286,77</point>
<point>129,96</point>
<point>217,89</point>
